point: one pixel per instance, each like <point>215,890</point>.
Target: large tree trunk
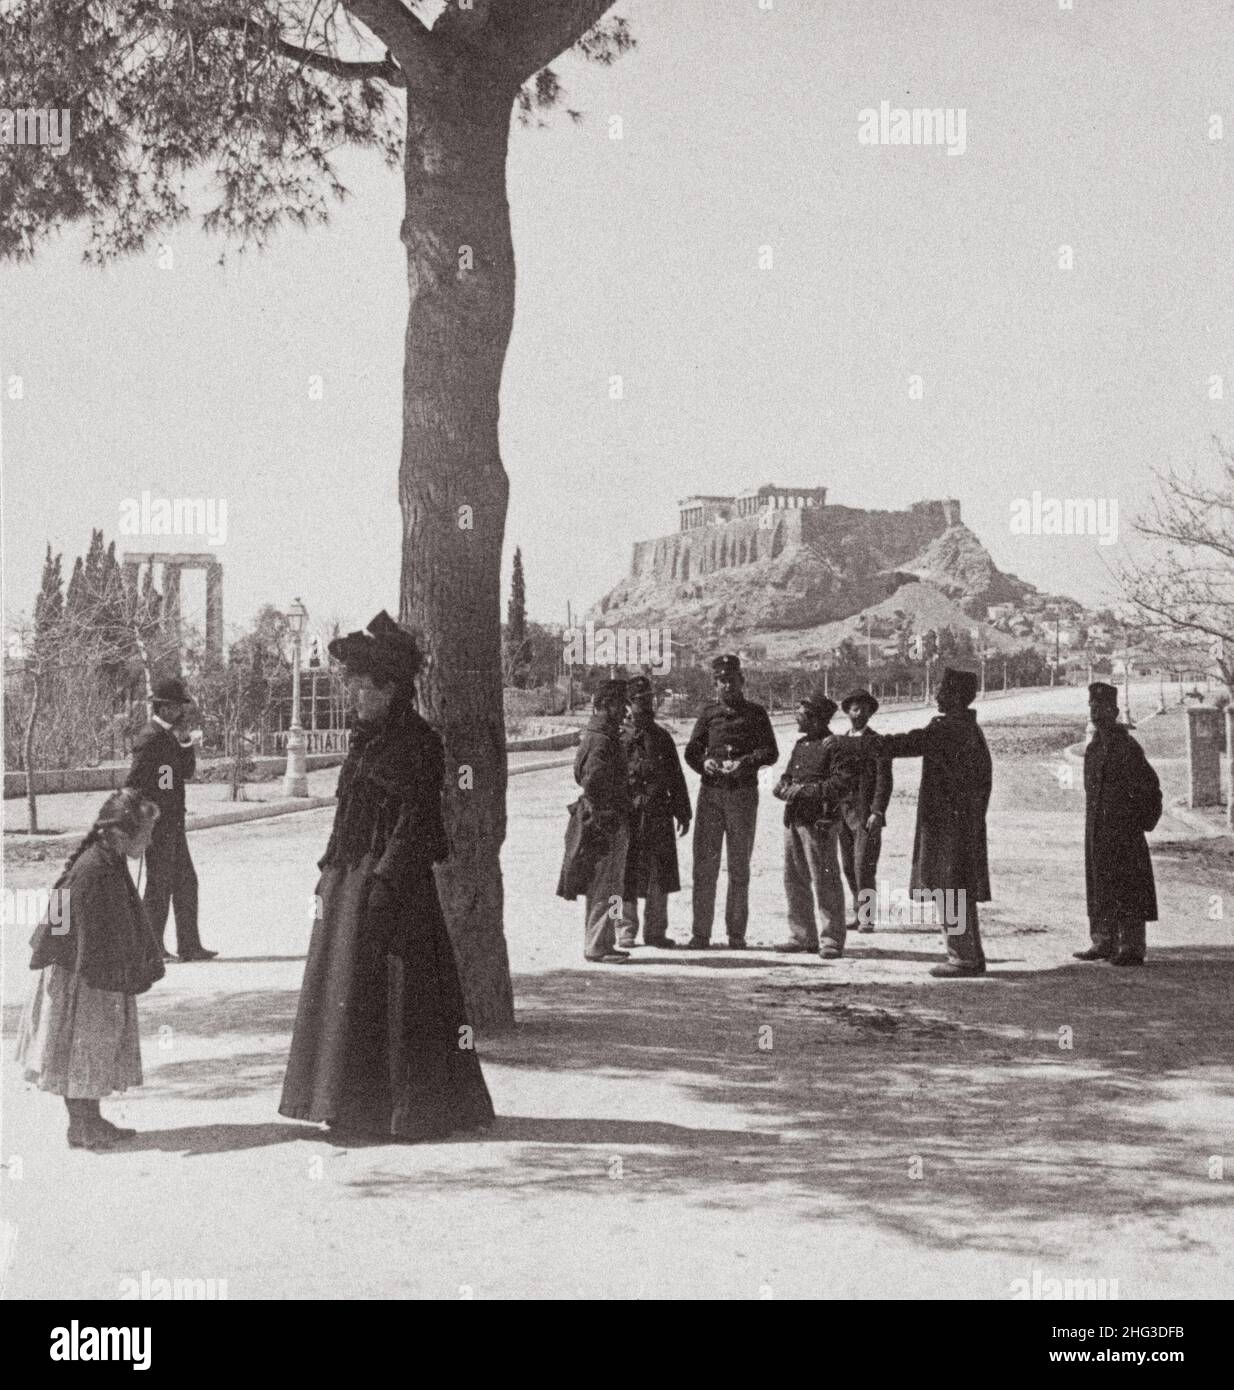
<point>453,488</point>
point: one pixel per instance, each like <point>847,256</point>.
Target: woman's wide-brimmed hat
<point>384,650</point>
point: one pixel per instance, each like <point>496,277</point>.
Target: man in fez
<point>732,739</point>
<point>864,811</point>
<point>949,849</point>
<point>600,770</point>
<point>659,802</point>
<point>1122,800</point>
<point>814,785</point>
<point>164,759</point>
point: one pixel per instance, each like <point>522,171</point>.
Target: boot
<point>85,1130</point>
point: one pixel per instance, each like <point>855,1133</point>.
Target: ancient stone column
<point>1203,756</point>
<point>171,605</point>
<point>214,611</point>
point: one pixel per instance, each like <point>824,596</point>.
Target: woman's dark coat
<point>381,1043</point>
<point>103,934</point>
<point>600,770</point>
<point>1122,800</point>
<point>658,799</point>
<point>949,848</point>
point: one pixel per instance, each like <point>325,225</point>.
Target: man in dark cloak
<point>659,811</point>
<point>949,849</point>
<point>1122,800</point>
<point>381,1044</point>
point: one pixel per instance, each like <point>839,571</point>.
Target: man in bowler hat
<point>1122,801</point>
<point>949,848</point>
<point>864,811</point>
<point>164,759</point>
<point>659,803</point>
<point>732,739</point>
<point>814,786</point>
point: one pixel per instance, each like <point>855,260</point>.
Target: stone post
<point>214,611</point>
<point>1203,756</point>
<point>1229,759</point>
<point>171,606</point>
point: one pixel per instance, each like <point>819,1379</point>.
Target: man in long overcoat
<point>600,770</point>
<point>164,759</point>
<point>1122,800</point>
<point>949,848</point>
<point>659,804</point>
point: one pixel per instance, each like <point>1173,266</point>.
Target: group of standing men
<point>835,790</point>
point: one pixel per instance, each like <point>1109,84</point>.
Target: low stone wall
<point>106,779</point>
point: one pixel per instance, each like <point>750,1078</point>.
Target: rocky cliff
<point>793,571</point>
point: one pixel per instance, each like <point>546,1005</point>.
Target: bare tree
<point>1184,586</point>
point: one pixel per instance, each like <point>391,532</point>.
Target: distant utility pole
<point>570,663</point>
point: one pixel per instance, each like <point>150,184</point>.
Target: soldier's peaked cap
<point>727,665</point>
<point>1103,693</point>
<point>818,703</point>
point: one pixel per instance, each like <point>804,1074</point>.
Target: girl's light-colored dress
<point>78,1042</point>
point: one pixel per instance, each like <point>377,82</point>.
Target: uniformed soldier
<point>731,741</point>
<point>1122,800</point>
<point>659,801</point>
<point>864,811</point>
<point>818,779</point>
<point>949,849</point>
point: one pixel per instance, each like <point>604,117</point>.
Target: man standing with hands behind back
<point>731,741</point>
<point>164,759</point>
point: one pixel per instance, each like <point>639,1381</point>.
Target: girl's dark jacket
<point>108,940</point>
<point>949,848</point>
<point>1122,800</point>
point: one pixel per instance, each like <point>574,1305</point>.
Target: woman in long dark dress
<point>381,1044</point>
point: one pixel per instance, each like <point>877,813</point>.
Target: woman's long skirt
<point>381,1043</point>
<point>78,1042</point>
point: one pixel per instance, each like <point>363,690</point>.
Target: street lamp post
<point>295,780</point>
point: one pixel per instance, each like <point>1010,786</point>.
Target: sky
<point>766,286</point>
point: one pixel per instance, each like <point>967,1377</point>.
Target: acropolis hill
<point>782,560</point>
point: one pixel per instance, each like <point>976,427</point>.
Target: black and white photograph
<point>618,663</point>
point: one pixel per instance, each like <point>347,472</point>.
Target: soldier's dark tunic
<point>377,1045</point>
<point>949,847</point>
<point>1122,800</point>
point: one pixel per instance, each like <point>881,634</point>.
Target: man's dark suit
<point>161,766</point>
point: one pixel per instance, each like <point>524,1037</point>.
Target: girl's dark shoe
<point>88,1136</point>
<point>115,1131</point>
<point>1093,953</point>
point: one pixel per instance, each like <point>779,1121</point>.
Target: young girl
<point>78,1036</point>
